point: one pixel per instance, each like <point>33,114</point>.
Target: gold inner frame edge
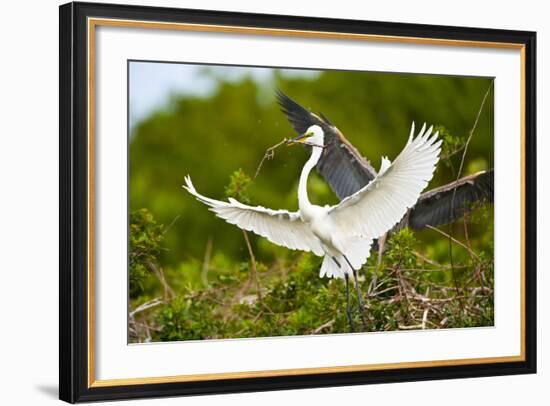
<point>94,22</point>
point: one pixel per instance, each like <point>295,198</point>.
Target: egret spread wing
<point>281,227</point>
<point>377,207</point>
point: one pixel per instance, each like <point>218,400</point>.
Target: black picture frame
<point>74,199</point>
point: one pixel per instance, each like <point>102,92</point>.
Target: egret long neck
<point>303,199</point>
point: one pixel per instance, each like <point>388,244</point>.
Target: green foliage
<point>194,279</point>
<point>451,144</point>
<point>145,239</point>
<point>239,184</point>
<point>183,319</point>
<point>293,300</point>
<point>401,249</point>
<point>211,137</point>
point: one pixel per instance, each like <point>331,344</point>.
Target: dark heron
<point>347,171</point>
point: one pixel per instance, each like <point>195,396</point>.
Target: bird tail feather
<point>331,268</point>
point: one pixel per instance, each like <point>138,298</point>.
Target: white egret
<point>343,233</point>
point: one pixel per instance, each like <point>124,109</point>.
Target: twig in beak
<point>269,154</point>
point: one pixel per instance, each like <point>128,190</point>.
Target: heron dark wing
<point>342,166</point>
<point>437,207</point>
<point>300,118</point>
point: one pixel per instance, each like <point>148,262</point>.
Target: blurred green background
<point>211,136</point>
<point>213,120</point>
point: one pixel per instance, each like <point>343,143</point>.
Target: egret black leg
<point>359,294</point>
<point>348,307</point>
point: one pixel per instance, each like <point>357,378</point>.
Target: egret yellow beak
<point>299,139</point>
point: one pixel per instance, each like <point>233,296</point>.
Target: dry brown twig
<point>470,251</point>
<point>147,305</point>
<point>168,291</point>
<point>323,326</point>
<point>463,158</point>
<point>269,154</point>
<point>206,263</point>
<point>137,327</point>
<point>253,265</point>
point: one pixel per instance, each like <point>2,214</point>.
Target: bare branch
<point>470,251</point>
<point>253,264</point>
<point>269,154</point>
<point>323,326</point>
<point>147,305</point>
<point>206,263</point>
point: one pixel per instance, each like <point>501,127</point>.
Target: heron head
<point>314,137</point>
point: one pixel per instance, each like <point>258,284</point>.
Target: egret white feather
<point>383,202</point>
<point>281,227</point>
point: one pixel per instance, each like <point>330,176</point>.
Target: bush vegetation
<point>287,297</point>
<point>192,276</point>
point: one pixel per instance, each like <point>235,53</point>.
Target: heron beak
<point>297,140</point>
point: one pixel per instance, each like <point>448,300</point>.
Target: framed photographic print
<point>256,202</point>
